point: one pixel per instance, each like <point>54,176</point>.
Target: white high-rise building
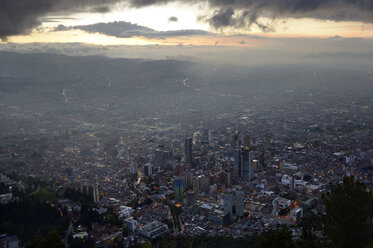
<point>96,194</point>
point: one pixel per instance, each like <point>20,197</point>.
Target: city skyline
<point>206,124</point>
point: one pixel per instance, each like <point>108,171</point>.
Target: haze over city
<point>162,123</point>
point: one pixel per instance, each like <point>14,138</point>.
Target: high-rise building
<point>179,190</point>
<point>204,183</point>
<point>236,140</point>
<point>262,160</point>
<point>148,170</point>
<point>81,188</point>
<point>133,168</point>
<point>96,194</point>
<point>188,151</point>
<point>237,163</point>
<point>188,179</point>
<point>236,155</point>
<point>246,164</point>
<point>227,178</point>
<point>162,156</point>
<point>196,186</point>
<point>240,196</point>
<point>243,167</point>
<point>206,136</point>
<point>247,142</point>
<point>158,157</point>
<point>191,196</point>
<point>228,200</point>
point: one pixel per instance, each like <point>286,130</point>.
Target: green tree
<point>310,225</point>
<point>275,239</point>
<point>348,219</point>
<point>81,243</point>
<point>52,240</point>
<point>148,244</point>
<point>36,242</point>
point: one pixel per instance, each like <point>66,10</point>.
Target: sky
<point>246,24</point>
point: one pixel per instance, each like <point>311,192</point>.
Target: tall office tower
<point>191,196</point>
<point>166,155</point>
<point>246,164</point>
<point>227,178</point>
<point>148,170</point>
<point>96,194</point>
<point>247,142</point>
<point>236,140</point>
<point>204,183</point>
<point>236,155</point>
<point>195,184</point>
<point>133,168</point>
<point>240,196</point>
<point>206,136</point>
<point>237,163</point>
<point>86,190</point>
<point>228,200</point>
<point>262,161</point>
<point>188,151</point>
<point>188,179</point>
<point>179,190</point>
<point>158,157</point>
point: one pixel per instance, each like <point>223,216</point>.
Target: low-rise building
<point>153,230</point>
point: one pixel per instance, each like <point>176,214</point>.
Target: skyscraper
<point>227,178</point>
<point>246,164</point>
<point>243,167</point>
<point>228,199</point>
<point>204,183</point>
<point>196,184</point>
<point>236,155</point>
<point>188,149</point>
<point>237,163</point>
<point>158,157</point>
<point>191,196</point>
<point>96,194</point>
<point>247,141</point>
<point>240,196</point>
<point>179,190</point>
<point>148,170</point>
<point>206,136</point>
<point>236,140</point>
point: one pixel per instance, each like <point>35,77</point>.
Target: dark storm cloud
<point>101,9</point>
<point>128,30</point>
<point>245,13</point>
<point>223,18</point>
<point>21,16</point>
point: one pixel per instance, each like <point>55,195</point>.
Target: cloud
<point>245,13</point>
<point>222,18</point>
<point>270,50</point>
<point>61,28</point>
<point>173,19</point>
<point>21,16</point>
<point>127,30</point>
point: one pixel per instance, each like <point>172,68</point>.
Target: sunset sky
<point>202,23</point>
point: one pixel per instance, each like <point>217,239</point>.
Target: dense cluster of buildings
<point>247,173</point>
